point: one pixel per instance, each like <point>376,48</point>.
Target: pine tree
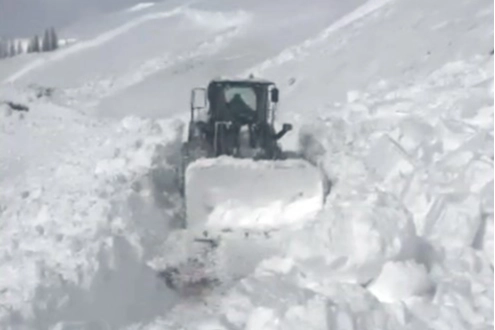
<point>3,48</point>
<point>53,39</point>
<point>14,47</point>
<point>36,44</point>
<point>11,48</point>
<point>30,46</point>
<point>45,43</point>
<point>18,48</point>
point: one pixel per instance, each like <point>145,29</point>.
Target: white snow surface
<point>392,100</point>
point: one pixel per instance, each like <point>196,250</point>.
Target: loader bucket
<point>231,193</point>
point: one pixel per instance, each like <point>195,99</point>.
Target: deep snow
<point>392,99</point>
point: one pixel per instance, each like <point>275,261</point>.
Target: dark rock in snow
<point>17,106</point>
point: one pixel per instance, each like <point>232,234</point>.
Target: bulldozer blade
<point>232,193</point>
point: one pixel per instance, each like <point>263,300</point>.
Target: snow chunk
<point>488,246</point>
<point>262,319</point>
<point>353,96</point>
<point>400,280</point>
<point>352,245</point>
<point>453,220</point>
<point>252,304</point>
<point>390,163</point>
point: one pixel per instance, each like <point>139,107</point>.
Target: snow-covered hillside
<point>392,99</point>
<point>179,45</point>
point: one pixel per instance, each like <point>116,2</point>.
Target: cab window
<point>246,93</point>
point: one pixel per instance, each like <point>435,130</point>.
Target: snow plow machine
<point>236,180</point>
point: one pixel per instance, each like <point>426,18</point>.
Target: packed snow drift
<point>392,100</point>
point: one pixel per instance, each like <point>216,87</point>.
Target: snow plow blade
<point>231,193</point>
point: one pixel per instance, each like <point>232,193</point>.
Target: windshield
<point>247,94</point>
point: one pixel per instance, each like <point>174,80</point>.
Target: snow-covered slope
<point>393,99</point>
<point>181,45</point>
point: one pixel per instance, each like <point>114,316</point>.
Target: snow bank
<point>77,231</point>
<point>414,158</point>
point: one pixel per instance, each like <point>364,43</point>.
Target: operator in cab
<point>242,112</point>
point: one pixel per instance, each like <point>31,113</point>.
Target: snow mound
<point>242,193</point>
<point>411,210</point>
<point>77,232</point>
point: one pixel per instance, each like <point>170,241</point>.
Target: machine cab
<point>246,101</point>
<point>232,116</point>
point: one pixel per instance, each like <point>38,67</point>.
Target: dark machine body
<point>232,107</point>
